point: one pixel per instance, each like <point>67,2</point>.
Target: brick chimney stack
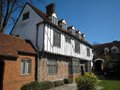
<point>50,9</point>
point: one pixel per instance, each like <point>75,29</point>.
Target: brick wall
<point>12,79</point>
<point>62,70</point>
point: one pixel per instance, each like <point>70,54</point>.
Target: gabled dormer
<point>71,29</point>
<point>106,50</point>
<point>62,23</point>
<point>114,49</point>
<point>78,34</point>
<point>50,11</point>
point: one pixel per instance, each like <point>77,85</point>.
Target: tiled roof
<point>99,48</point>
<point>45,17</point>
<point>10,45</point>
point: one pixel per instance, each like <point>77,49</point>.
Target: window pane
<point>25,16</point>
<point>25,67</point>
<point>88,52</point>
<point>56,39</point>
<point>77,47</point>
<point>52,66</point>
<point>22,67</point>
<point>28,67</point>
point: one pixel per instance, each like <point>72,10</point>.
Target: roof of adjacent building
<point>10,46</point>
<point>47,20</point>
<point>99,48</point>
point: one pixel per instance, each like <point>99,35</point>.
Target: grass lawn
<point>110,84</point>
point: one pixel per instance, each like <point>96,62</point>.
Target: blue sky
<point>98,19</point>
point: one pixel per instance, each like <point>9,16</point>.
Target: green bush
<point>67,81</point>
<point>38,86</point>
<point>31,86</point>
<point>47,85</point>
<point>59,82</point>
<point>86,82</point>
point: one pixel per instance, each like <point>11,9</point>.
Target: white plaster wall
<point>27,29</point>
<point>66,48</point>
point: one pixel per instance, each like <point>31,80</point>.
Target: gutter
<point>38,54</point>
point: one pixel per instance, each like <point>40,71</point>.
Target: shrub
<point>59,82</point>
<point>86,82</point>
<point>31,86</point>
<point>67,81</point>
<point>47,85</point>
<point>38,86</point>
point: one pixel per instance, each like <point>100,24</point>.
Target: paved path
<point>71,87</point>
<point>66,87</point>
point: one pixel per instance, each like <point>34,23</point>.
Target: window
<point>76,67</point>
<point>106,50</point>
<point>25,16</point>
<point>77,47</point>
<point>67,39</point>
<point>25,66</point>
<point>64,26</point>
<point>56,38</point>
<point>52,66</point>
<point>88,51</point>
<point>54,20</point>
<point>114,49</point>
<point>70,70</point>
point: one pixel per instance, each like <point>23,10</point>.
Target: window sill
<point>25,74</point>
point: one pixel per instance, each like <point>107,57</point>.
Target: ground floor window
<point>25,66</point>
<point>76,67</point>
<point>70,70</point>
<point>52,66</point>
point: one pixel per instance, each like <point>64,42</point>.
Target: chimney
<point>50,9</point>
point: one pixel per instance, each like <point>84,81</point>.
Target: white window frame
<point>25,67</point>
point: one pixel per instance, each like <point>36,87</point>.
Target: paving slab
<point>66,87</point>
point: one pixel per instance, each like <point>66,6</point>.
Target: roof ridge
<point>12,36</point>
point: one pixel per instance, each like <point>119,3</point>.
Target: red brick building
<point>107,57</point>
<point>17,62</point>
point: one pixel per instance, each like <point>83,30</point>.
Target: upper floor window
<point>77,46</point>
<point>25,16</point>
<point>106,50</point>
<point>52,66</point>
<point>67,39</point>
<point>64,26</point>
<point>25,68</point>
<point>88,51</point>
<point>114,49</point>
<point>56,38</point>
<point>54,19</point>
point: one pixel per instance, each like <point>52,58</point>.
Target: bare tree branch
<point>8,9</point>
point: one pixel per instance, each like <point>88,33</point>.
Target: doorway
<point>98,66</point>
<point>1,73</point>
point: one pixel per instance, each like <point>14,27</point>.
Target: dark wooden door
<point>1,73</point>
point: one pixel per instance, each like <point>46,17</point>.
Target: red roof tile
<point>10,45</point>
<point>99,48</point>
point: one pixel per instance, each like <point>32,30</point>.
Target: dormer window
<point>54,20</point>
<point>25,16</point>
<point>62,24</point>
<point>114,49</point>
<point>106,50</point>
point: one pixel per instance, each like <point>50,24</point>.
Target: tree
<point>7,10</point>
